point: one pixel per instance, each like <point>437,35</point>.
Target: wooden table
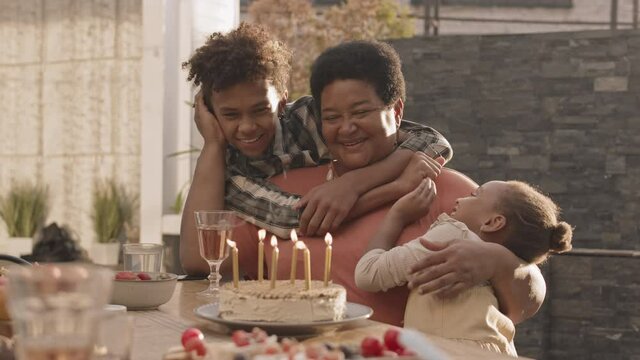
<point>156,331</point>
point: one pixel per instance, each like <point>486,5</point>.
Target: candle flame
<point>262,233</point>
<point>294,235</point>
<point>274,241</point>
<point>231,243</point>
<point>300,245</point>
<point>328,239</point>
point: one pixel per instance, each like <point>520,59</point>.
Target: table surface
<point>156,331</point>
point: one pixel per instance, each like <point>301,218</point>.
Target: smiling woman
<point>358,128</point>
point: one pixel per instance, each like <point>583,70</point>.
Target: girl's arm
<point>207,188</point>
<point>380,269</point>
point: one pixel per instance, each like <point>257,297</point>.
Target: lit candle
<point>262,233</point>
<point>223,241</point>
<point>327,258</point>
<point>294,256</point>
<point>234,257</point>
<point>307,267</point>
<point>274,261</point>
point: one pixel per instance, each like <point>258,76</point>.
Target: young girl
<point>512,214</point>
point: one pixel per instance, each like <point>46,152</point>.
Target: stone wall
<point>559,110</point>
<point>562,111</point>
<point>70,99</point>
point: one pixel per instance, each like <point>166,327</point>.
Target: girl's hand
<point>415,204</point>
<point>208,124</point>
<point>420,167</point>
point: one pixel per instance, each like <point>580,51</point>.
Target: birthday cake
<point>256,301</point>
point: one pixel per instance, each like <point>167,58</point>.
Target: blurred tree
<point>308,33</point>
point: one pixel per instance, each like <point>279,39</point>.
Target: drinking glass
<point>56,308</point>
<point>142,257</point>
<point>214,228</point>
<point>115,334</point>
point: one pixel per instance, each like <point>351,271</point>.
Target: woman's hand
<point>415,204</point>
<point>420,167</point>
<point>326,206</point>
<point>452,267</point>
<point>208,124</point>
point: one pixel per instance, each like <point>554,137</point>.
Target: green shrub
<point>25,208</point>
<point>113,207</point>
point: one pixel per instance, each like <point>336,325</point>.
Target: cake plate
<point>354,312</point>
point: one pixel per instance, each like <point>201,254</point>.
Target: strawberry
<point>144,276</point>
<point>391,340</point>
<point>370,347</point>
<point>240,338</point>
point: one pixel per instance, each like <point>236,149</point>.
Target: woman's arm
<point>459,265</point>
<point>323,213</point>
<point>419,168</point>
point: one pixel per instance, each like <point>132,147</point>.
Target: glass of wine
<point>214,228</point>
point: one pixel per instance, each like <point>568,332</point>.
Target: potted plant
<point>113,208</point>
<point>23,209</point>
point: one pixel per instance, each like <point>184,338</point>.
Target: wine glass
<point>214,228</point>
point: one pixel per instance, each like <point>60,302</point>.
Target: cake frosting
<point>256,301</point>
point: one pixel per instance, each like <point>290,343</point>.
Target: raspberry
<point>126,275</point>
<point>189,334</point>
<point>240,338</point>
<point>195,344</point>
<point>405,352</point>
<point>144,276</point>
<point>370,347</point>
<point>391,340</point>
<point>259,335</point>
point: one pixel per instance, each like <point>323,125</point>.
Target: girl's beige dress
<point>472,316</point>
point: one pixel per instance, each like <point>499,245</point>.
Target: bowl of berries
<point>142,290</point>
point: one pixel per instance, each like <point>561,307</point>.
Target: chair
<point>6,260</point>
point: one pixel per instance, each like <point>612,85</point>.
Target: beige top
<point>471,316</point>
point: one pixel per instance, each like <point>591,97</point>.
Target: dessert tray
<point>354,312</point>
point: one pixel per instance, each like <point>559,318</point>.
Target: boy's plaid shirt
<point>298,143</point>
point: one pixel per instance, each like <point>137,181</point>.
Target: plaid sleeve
<point>262,204</point>
<point>426,139</point>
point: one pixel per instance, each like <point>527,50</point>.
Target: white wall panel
<point>70,100</point>
<point>77,108</point>
<point>126,107</point>
<point>129,29</point>
<point>21,31</point>
<point>20,130</point>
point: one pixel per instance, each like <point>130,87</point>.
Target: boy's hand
<point>420,167</point>
<point>326,207</point>
<point>207,123</point>
<point>415,204</point>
